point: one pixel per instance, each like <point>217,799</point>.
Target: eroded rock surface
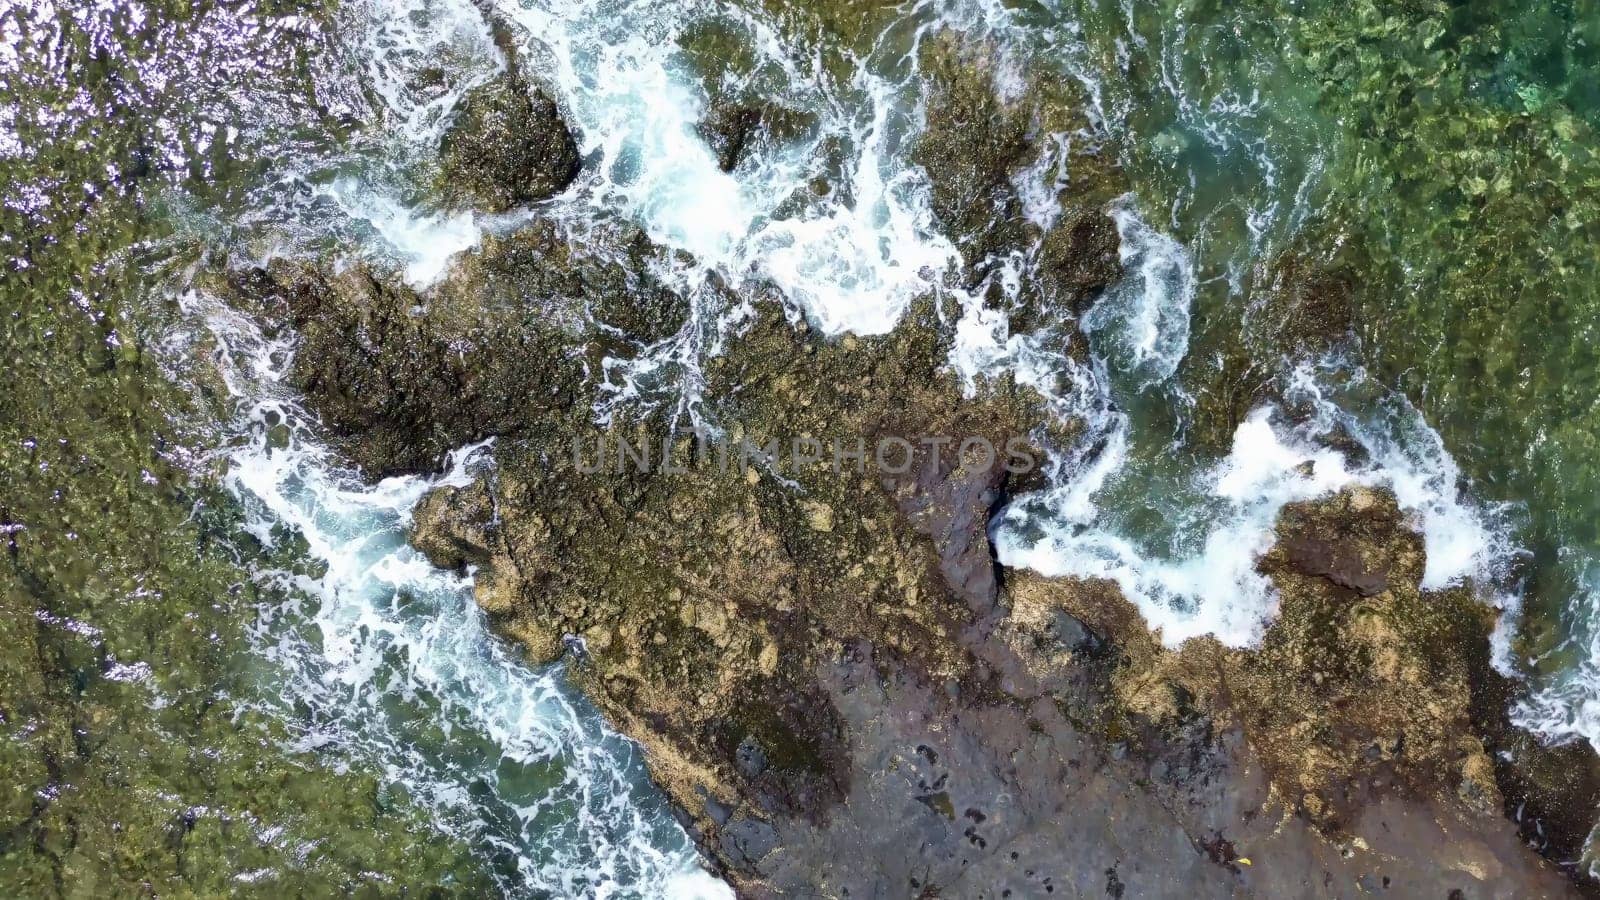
<point>829,673</point>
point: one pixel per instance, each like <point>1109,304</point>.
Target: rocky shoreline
<point>831,676</point>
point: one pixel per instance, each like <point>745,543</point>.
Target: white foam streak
<point>1213,589</point>
<point>1143,321</point>
<point>419,57</point>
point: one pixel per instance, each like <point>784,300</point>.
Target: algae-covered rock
<point>1081,256</point>
<point>734,126</point>
<point>825,666</point>
<point>980,150</point>
<point>749,104</point>
<point>708,592</point>
<point>508,146</point>
<point>143,751</point>
<point>1303,309</point>
<point>1380,690</point>
<point>538,269</point>
<point>1309,306</point>
<point>454,527</point>
<point>972,144</point>
<point>404,378</point>
<point>823,659</point>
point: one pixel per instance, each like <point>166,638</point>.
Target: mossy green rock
<point>413,378</point>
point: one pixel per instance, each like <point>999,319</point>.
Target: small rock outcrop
<point>979,149</point>
<point>733,126</point>
<point>507,147</point>
<point>402,381</point>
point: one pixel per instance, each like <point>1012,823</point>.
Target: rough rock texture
<point>507,147</point>
<point>828,672</point>
<point>406,381</point>
<point>745,107</point>
<point>1361,686</point>
<point>840,694</point>
<point>690,588</point>
<point>978,147</point>
<point>732,126</point>
<point>403,378</point>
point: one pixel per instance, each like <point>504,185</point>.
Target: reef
<point>831,677</point>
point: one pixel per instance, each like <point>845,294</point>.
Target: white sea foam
<point>851,260</point>
<point>1566,707</point>
<point>422,242</point>
<point>419,57</point>
<point>1203,579</point>
<point>1143,321</point>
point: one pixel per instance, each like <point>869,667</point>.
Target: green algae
<point>507,147</point>
<point>135,761</point>
<point>1474,188</point>
<point>1465,194</point>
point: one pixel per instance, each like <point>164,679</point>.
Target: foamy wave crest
<point>383,659</point>
<point>1143,322</point>
<point>1201,578</point>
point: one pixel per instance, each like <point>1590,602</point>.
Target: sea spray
<point>850,259</point>
<point>1142,326</point>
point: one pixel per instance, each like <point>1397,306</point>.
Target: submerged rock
<point>508,146</point>
<point>733,126</point>
<point>981,152</point>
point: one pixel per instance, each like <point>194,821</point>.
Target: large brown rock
<point>1363,687</point>
<point>826,669</point>
<point>402,381</point>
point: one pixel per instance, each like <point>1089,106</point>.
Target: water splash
<point>1142,325</point>
<point>1199,577</point>
<point>850,257</point>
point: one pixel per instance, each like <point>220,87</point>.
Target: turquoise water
<point>1441,158</point>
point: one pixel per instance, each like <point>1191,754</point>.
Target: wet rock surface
<point>508,146</point>
<point>404,381</point>
<point>734,125</point>
<point>845,694</point>
<point>983,153</point>
<point>827,670</point>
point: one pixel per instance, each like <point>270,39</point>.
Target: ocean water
<point>1440,157</point>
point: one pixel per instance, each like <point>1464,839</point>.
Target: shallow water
<point>1441,157</point>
